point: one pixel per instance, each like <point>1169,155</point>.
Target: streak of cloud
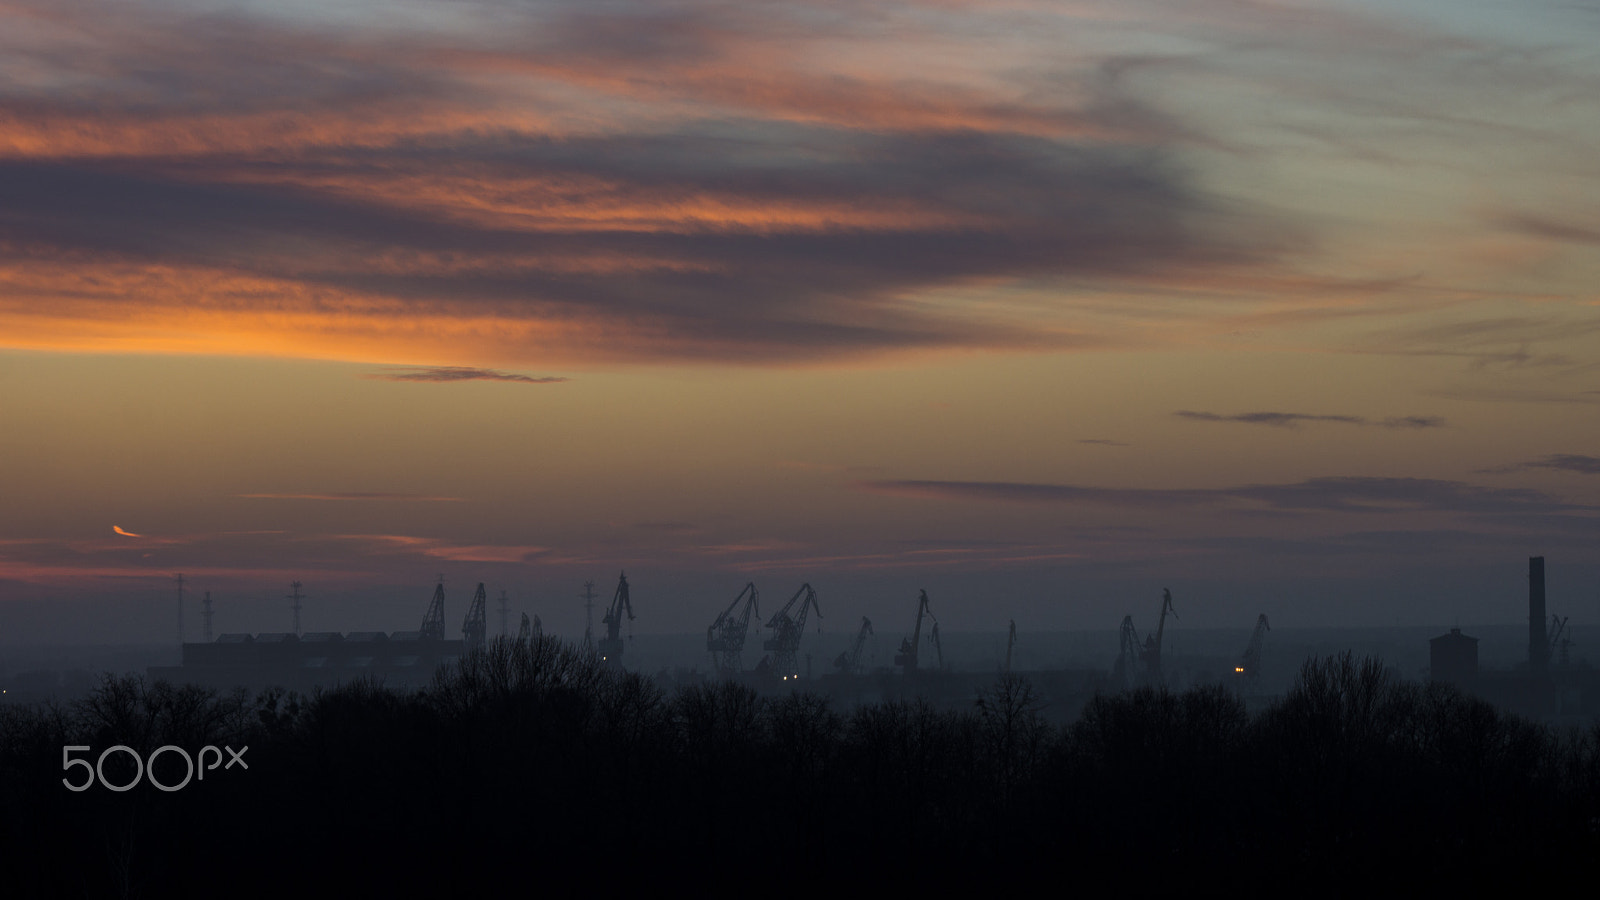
<point>118,530</point>
<point>448,374</point>
<point>352,495</point>
<point>1564,462</point>
<point>1514,395</point>
<point>1551,229</point>
<point>1412,422</point>
<point>1294,420</point>
<point>1275,419</point>
<point>436,548</point>
<point>1357,494</point>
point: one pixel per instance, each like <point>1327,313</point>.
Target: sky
<point>1040,307</point>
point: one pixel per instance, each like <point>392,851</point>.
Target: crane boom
<point>725,637</point>
<point>850,661</point>
<point>1250,661</point>
<point>433,621</point>
<point>1130,655</point>
<point>788,627</point>
<point>907,656</point>
<point>475,628</point>
<point>1153,643</point>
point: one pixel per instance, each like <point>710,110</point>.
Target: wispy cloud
<point>1295,420</point>
<point>1565,462</point>
<point>829,468</point>
<point>1328,494</point>
<point>447,374</point>
<point>1551,229</point>
<point>118,529</point>
<point>436,548</point>
<point>352,495</point>
<point>1103,442</point>
<point>1276,419</point>
<point>1411,422</point>
<point>1047,493</point>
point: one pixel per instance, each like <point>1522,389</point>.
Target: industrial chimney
<point>1538,643</point>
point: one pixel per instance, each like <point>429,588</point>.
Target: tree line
<point>530,765</point>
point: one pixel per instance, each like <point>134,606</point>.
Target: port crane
<point>1249,666</point>
<point>907,656</point>
<point>475,628</point>
<point>610,646</point>
<point>849,661</point>
<point>1140,663</point>
<point>725,637</point>
<point>788,627</point>
<point>1153,642</point>
<point>433,621</point>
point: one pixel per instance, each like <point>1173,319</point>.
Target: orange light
<point>1238,668</point>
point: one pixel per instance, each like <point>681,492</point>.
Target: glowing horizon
<point>1257,298</point>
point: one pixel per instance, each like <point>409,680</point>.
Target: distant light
<point>1238,668</point>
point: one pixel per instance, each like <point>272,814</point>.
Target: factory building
<point>1453,658</point>
<point>315,659</point>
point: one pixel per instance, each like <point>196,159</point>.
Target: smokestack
<point>1538,643</point>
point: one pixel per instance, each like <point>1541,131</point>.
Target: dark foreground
<point>532,768</point>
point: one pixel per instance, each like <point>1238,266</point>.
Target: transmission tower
<point>205,614</point>
<point>1011,643</point>
<point>505,627</point>
<point>588,605</point>
<point>180,609</point>
<point>296,597</point>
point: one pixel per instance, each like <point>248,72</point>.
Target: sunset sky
<point>1039,306</point>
